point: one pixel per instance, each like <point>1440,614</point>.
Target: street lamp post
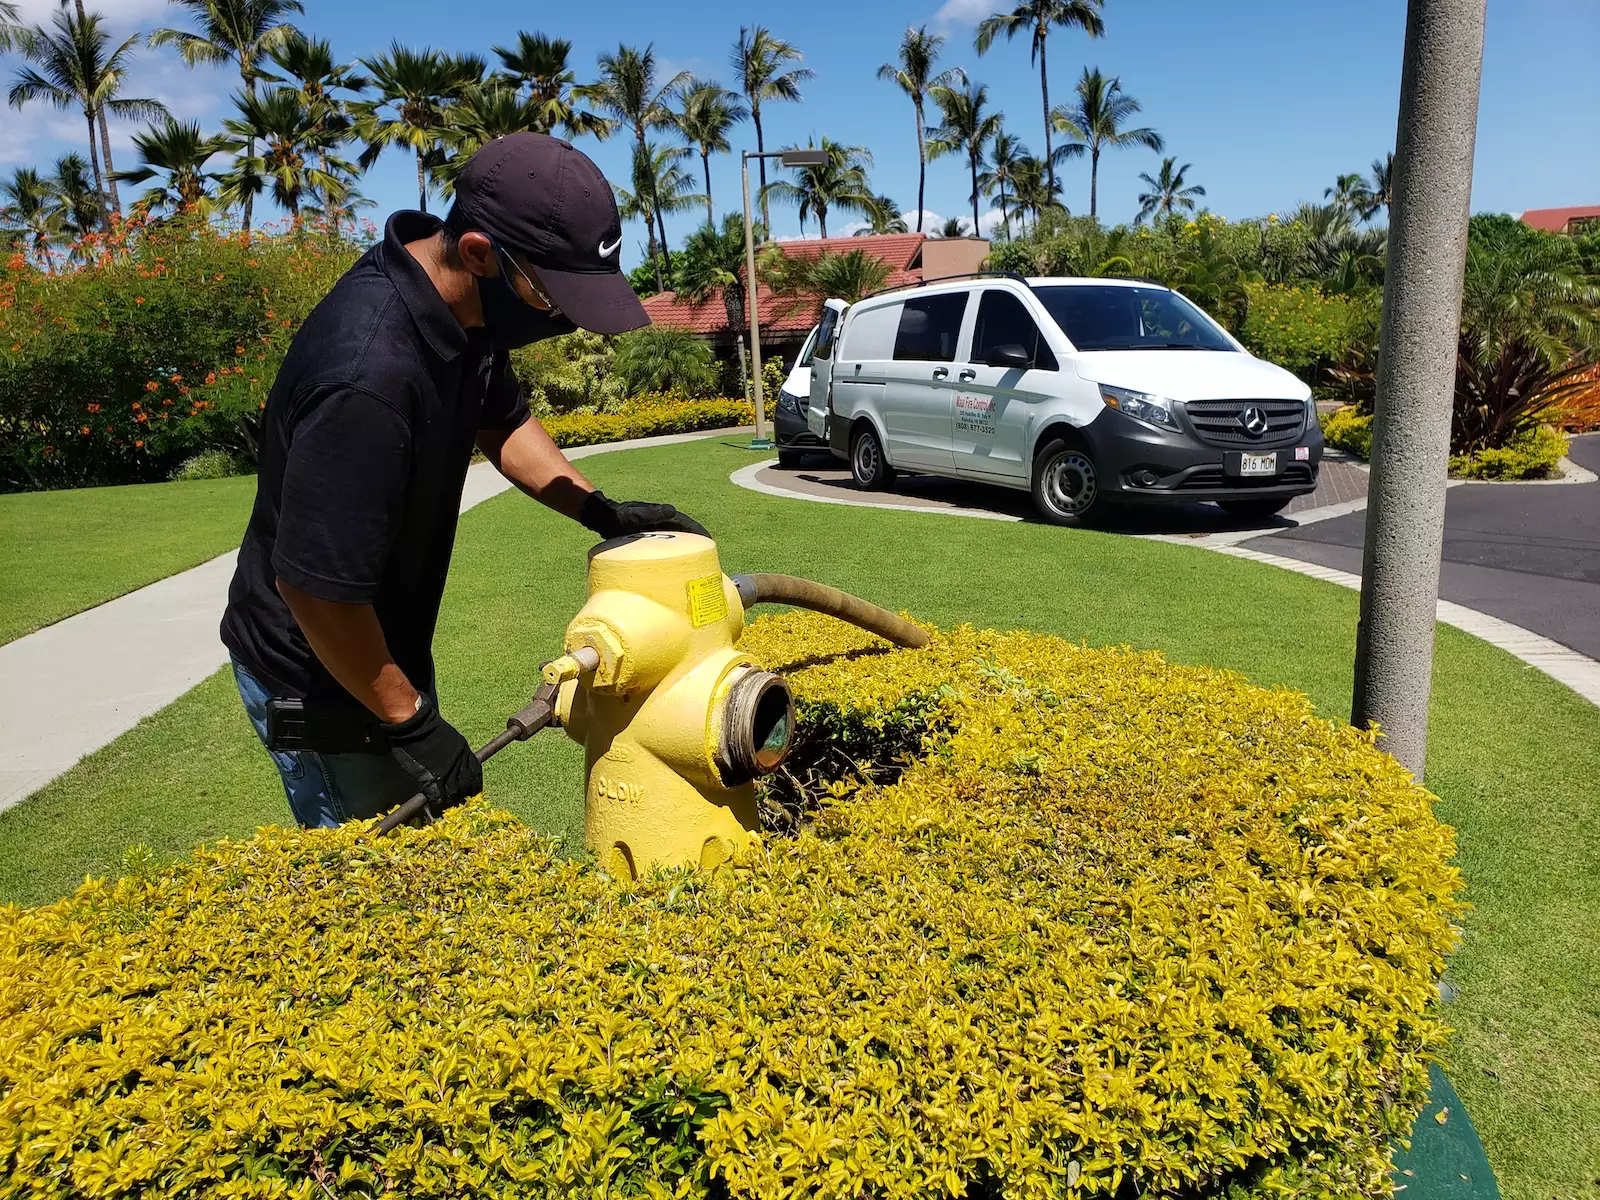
<point>789,158</point>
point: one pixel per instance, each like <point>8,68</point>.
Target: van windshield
<point>1111,317</point>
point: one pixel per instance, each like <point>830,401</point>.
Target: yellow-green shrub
<point>647,416</point>
<point>1531,453</point>
<point>1120,927</point>
<point>1349,430</point>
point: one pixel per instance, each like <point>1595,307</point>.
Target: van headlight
<point>1141,406</point>
<point>788,402</point>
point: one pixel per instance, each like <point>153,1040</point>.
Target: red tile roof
<point>793,314</point>
<point>1554,220</point>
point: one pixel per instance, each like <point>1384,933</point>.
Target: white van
<point>1088,392</point>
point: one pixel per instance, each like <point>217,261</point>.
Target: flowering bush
<point>1115,927</point>
<point>649,415</point>
<point>1349,430</point>
<point>1532,453</point>
<point>1306,331</point>
<point>162,343</point>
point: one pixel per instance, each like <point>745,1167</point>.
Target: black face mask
<point>509,319</point>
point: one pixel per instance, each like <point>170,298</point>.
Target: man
<point>365,441</point>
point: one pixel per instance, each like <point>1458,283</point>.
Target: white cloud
<point>963,12</point>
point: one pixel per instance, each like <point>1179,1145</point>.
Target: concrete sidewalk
<point>72,687</point>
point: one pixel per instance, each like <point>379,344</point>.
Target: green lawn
<point>1514,756</point>
<point>63,552</point>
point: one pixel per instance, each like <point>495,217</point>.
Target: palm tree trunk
<point>99,183</point>
<point>705,161</point>
<point>655,260</point>
<point>111,179</point>
<point>766,217</point>
<point>1044,94</point>
<point>1094,179</point>
<point>422,184</point>
<point>250,147</point>
<point>922,161</point>
<point>1005,219</point>
<point>666,255</point>
<point>822,219</point>
<point>974,159</point>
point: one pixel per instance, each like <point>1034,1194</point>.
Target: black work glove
<point>435,754</point>
<point>612,520</point>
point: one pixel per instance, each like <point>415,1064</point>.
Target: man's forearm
<point>529,458</point>
<point>350,644</point>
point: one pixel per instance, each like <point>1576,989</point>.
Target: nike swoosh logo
<point>607,251</point>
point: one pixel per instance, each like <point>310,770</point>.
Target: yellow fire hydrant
<point>675,722</point>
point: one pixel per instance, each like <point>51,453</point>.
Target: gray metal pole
<point>1416,372</point>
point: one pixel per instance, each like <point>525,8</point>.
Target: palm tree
<point>914,75</point>
<point>883,216</point>
<point>1380,192</point>
<point>177,151</point>
<point>540,63</point>
<point>482,112</point>
<point>232,31</point>
<point>660,186</point>
<point>10,25</point>
<point>291,140</point>
<point>77,203</point>
<point>1006,152</point>
<point>1093,123</point>
<point>966,129</point>
<point>1348,192</point>
<point>839,183</point>
<point>1034,189</point>
<point>414,87</point>
<point>317,79</point>
<point>713,262</point>
<point>1167,193</point>
<point>1036,18</point>
<point>849,276</point>
<point>759,62</point>
<point>952,228</point>
<point>30,221</point>
<point>628,90</point>
<point>709,112</point>
<point>77,68</point>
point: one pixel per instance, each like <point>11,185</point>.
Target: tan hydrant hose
<point>761,588</point>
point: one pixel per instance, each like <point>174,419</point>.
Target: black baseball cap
<point>545,199</point>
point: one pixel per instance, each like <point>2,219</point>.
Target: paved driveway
<point>1526,553</point>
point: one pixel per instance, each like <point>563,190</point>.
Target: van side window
<point>823,346</point>
<point>1003,320</point>
<point>930,327</point>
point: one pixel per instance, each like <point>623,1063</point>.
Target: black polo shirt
<point>365,442</point>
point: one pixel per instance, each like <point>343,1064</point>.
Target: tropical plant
<point>839,183</point>
<point>414,89</point>
<point>1379,191</point>
<point>1093,122</point>
<point>480,113</point>
<point>953,227</point>
<point>657,359</point>
<point>292,141</point>
<point>540,62</point>
<point>10,25</point>
<point>1168,193</point>
<point>236,31</point>
<point>913,73</point>
<point>73,193</point>
<point>1350,193</point>
<point>1006,154</point>
<point>28,222</point>
<point>965,129</point>
<point>848,276</point>
<point>709,111</point>
<point>713,264</point>
<point>76,66</point>
<point>1035,188</point>
<point>761,68</point>
<point>1037,18</point>
<point>883,216</point>
<point>175,152</point>
<point>317,80</point>
<point>629,91</point>
<point>660,186</point>
<point>1530,331</point>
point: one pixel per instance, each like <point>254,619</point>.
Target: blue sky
<point>1268,100</point>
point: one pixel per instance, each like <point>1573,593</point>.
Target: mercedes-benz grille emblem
<point>1254,421</point>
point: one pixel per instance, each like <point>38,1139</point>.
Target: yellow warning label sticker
<point>707,602</point>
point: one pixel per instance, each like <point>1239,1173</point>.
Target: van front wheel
<point>1066,485</point>
<point>868,466</point>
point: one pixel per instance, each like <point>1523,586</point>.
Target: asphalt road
<point>1526,553</point>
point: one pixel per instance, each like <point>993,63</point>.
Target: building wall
<point>953,256</point>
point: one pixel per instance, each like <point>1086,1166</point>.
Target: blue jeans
<point>325,790</point>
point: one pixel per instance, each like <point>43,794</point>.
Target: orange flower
<point>211,376</point>
<point>240,349</point>
<point>151,386</point>
<point>94,408</point>
<point>15,346</point>
<point>179,378</point>
<point>137,406</point>
<point>183,391</point>
<point>272,316</point>
<point>138,299</point>
<point>140,445</point>
<point>254,263</point>
<point>85,430</point>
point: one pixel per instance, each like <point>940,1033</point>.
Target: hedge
<point>1533,453</point>
<point>647,416</point>
<point>1116,927</point>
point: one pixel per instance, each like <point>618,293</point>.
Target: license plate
<point>1258,464</point>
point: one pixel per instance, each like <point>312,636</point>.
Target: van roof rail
<point>900,287</point>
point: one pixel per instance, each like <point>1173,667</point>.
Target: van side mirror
<point>1010,355</point>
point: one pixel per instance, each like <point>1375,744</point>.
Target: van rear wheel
<point>868,466</point>
<point>1066,484</point>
